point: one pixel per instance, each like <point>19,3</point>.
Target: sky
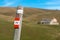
<point>43,4</point>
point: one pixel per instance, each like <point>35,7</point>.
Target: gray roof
<point>45,20</point>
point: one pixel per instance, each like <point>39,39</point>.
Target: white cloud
<point>53,2</point>
<point>54,7</point>
<point>7,3</point>
<point>50,3</point>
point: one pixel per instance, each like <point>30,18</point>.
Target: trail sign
<point>18,23</point>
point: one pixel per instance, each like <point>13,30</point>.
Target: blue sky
<point>45,4</point>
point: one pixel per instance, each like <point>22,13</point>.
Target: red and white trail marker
<point>18,23</point>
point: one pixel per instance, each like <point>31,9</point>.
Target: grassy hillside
<point>6,30</point>
<point>40,32</point>
<point>32,14</point>
<point>30,29</point>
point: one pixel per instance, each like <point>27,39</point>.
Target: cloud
<point>56,2</point>
<point>54,7</point>
<point>50,3</point>
<point>9,3</point>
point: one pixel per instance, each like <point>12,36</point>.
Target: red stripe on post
<point>17,19</point>
<point>16,26</point>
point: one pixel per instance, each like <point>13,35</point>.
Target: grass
<point>6,30</point>
<point>30,31</point>
<point>39,32</point>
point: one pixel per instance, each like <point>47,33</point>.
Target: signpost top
<point>20,10</point>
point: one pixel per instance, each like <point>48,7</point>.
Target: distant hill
<point>31,14</point>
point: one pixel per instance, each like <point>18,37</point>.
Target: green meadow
<point>30,29</point>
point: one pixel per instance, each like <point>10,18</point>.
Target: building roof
<point>45,20</point>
